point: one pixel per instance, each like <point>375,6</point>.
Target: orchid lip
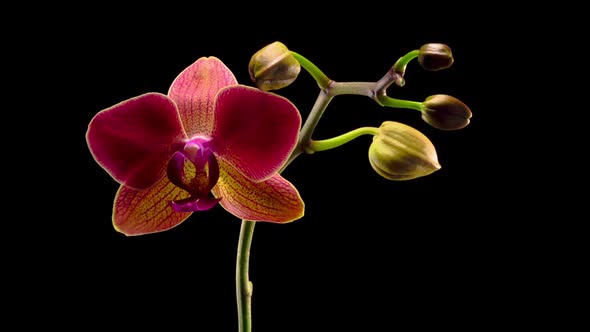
<point>199,204</point>
<point>194,168</point>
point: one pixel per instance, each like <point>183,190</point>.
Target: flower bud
<point>273,67</point>
<point>445,112</point>
<point>400,152</point>
<point>435,56</point>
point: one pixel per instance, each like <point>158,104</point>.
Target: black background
<point>369,254</point>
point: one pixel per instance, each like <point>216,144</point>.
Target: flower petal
<point>148,211</point>
<point>255,131</point>
<point>194,91</point>
<point>132,140</point>
<point>274,200</point>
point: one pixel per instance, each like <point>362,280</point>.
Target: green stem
<point>400,103</point>
<point>321,78</point>
<point>400,65</point>
<point>337,141</point>
<point>244,287</point>
<point>243,284</point>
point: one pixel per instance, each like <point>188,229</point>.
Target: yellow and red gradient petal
<point>274,200</point>
<point>255,131</point>
<point>194,91</point>
<point>138,212</point>
<point>133,140</point>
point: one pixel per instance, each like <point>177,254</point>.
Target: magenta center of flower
<point>193,167</point>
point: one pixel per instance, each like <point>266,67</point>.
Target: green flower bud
<point>273,67</point>
<point>400,152</point>
<point>445,112</point>
<point>435,56</point>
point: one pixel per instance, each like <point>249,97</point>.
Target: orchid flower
<point>209,141</point>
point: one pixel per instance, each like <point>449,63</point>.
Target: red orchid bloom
<point>209,140</point>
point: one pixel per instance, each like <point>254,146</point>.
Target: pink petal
<point>194,92</point>
<point>255,131</point>
<point>133,140</point>
<point>273,200</point>
<point>138,212</point>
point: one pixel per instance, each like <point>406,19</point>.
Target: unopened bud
<point>445,112</point>
<point>435,56</point>
<point>273,67</point>
<point>400,152</point>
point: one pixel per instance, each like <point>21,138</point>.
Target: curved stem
<point>243,284</point>
<point>244,287</point>
<point>337,141</point>
<point>400,65</point>
<point>321,78</point>
<point>400,103</point>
